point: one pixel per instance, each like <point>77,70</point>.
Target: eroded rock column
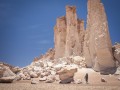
<point>72,38</point>
<point>60,37</point>
<point>98,43</point>
<point>81,33</point>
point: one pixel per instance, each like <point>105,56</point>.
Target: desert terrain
<point>94,83</point>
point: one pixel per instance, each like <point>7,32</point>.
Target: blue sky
<point>26,26</point>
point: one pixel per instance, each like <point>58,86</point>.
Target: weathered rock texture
<point>116,52</point>
<point>72,39</point>
<point>98,48</point>
<point>60,37</point>
<point>69,34</point>
<point>48,55</point>
<point>94,44</point>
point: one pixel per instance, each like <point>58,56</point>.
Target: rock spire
<point>97,44</point>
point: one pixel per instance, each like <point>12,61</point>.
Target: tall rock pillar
<point>60,37</point>
<point>81,33</point>
<point>98,44</point>
<point>72,38</point>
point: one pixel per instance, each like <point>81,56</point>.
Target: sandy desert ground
<point>55,86</point>
<point>94,84</point>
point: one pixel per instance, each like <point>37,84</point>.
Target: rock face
<point>69,34</point>
<point>71,39</point>
<point>60,37</point>
<point>97,44</point>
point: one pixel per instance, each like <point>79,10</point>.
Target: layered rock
<point>97,46</point>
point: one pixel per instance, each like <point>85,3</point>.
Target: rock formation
<point>60,37</point>
<point>75,49</point>
<point>6,73</point>
<point>97,44</point>
<point>69,34</point>
<point>71,39</point>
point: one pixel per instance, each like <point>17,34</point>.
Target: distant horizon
<point>27,26</point>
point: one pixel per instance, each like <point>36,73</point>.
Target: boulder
<point>50,64</point>
<point>53,72</point>
<point>21,75</point>
<point>34,82</point>
<point>66,74</point>
<point>78,81</point>
<point>103,80</point>
<point>33,74</point>
<point>58,67</point>
<point>15,70</point>
<point>37,69</point>
<point>118,79</point>
<point>116,51</point>
<point>8,72</point>
<point>50,79</point>
<point>41,64</point>
<point>7,79</point>
<point>43,79</point>
<point>117,71</point>
<point>78,60</point>
<point>67,80</point>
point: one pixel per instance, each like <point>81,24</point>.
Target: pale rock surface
<point>116,51</point>
<point>33,74</point>
<point>60,37</point>
<point>69,34</point>
<point>8,72</point>
<point>43,79</point>
<point>97,45</point>
<point>50,79</point>
<point>35,81</point>
<point>66,74</point>
<point>72,38</point>
<point>103,80</point>
<point>117,71</point>
<point>78,81</point>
